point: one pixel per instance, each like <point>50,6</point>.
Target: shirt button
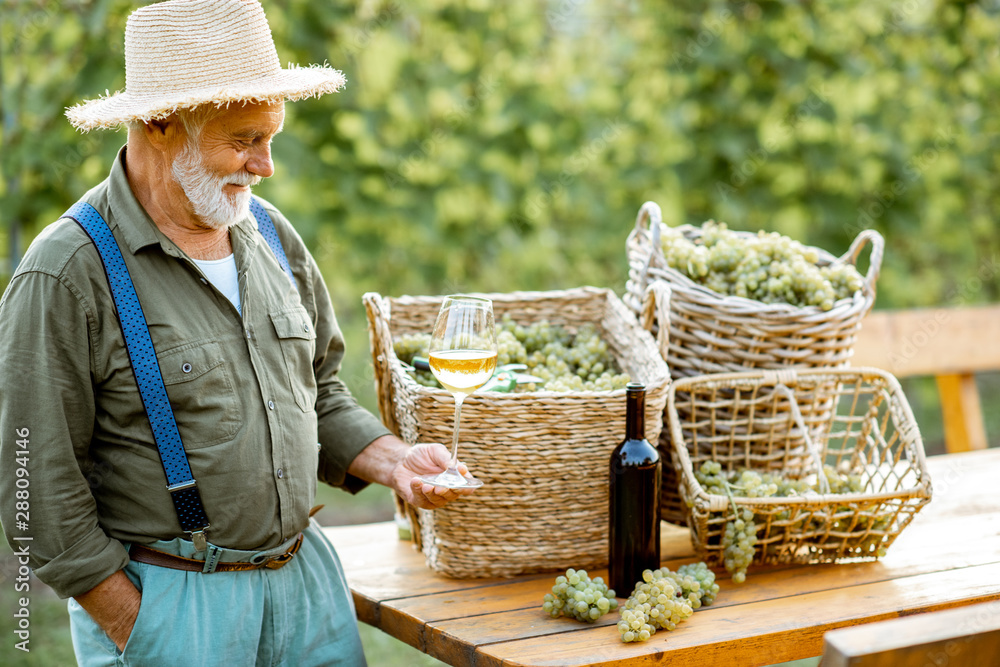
<point>248,334</point>
<point>204,282</point>
<point>270,404</point>
<point>186,367</point>
<point>280,473</point>
<point>305,327</point>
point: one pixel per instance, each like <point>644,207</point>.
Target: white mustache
<point>243,178</point>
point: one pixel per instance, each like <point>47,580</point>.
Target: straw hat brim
<point>294,83</point>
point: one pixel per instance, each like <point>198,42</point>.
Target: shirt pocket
<point>201,394</point>
<point>297,340</point>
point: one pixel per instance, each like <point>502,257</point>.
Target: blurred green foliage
<point>502,147</point>
<point>478,148</point>
<point>499,148</point>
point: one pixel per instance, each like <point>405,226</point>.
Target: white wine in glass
<point>463,356</point>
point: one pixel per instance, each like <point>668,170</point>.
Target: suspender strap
<point>180,482</point>
<point>266,227</point>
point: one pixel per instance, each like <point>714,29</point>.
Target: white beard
<point>211,204</point>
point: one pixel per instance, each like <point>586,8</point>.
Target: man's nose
<point>260,163</point>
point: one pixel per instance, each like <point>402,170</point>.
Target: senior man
<point>173,434</point>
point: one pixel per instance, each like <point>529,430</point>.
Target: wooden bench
<point>952,344</point>
<point>966,637</point>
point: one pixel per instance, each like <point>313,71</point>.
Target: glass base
<point>450,479</point>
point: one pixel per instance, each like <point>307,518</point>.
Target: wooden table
<point>949,556</point>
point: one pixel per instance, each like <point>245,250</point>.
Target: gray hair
<point>193,120</point>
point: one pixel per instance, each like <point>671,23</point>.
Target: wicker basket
<point>716,333</point>
<point>543,456</point>
<point>751,420</point>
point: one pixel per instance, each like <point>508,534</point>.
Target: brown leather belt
<point>142,554</point>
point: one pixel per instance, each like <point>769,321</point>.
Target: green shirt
<point>257,398</point>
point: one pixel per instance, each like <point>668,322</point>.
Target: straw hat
<point>184,53</point>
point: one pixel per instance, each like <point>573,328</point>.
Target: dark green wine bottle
<point>634,528</point>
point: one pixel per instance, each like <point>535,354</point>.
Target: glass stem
<point>454,438</point>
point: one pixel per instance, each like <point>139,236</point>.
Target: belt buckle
<point>280,560</point>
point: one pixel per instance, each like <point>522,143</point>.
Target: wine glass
<point>463,356</point>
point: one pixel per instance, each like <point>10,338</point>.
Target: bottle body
<point>634,497</point>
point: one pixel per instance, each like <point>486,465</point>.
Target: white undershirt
<point>222,274</point>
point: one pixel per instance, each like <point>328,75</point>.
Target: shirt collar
<point>139,230</point>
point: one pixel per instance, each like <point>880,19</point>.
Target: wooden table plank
<point>953,541</point>
<point>470,628</point>
<point>932,543</point>
<point>382,569</point>
<point>790,627</point>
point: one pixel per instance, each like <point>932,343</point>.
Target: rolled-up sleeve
<point>47,411</point>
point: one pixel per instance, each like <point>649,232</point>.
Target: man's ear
<point>162,133</point>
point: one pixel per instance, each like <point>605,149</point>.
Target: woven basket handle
<point>656,309</point>
<point>782,380</point>
<point>380,339</point>
<point>875,259</point>
<point>650,213</point>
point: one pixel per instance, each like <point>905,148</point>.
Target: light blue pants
<point>299,615</point>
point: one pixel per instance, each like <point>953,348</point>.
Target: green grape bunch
<point>657,602</point>
<point>578,596</point>
<point>408,346</point>
<point>739,535</point>
<point>564,360</point>
<point>738,541</point>
<point>695,582</point>
<point>769,267</point>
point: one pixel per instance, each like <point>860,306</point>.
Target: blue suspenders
<point>270,234</point>
<point>181,485</point>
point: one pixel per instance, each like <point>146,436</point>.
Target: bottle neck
<point>635,415</point>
